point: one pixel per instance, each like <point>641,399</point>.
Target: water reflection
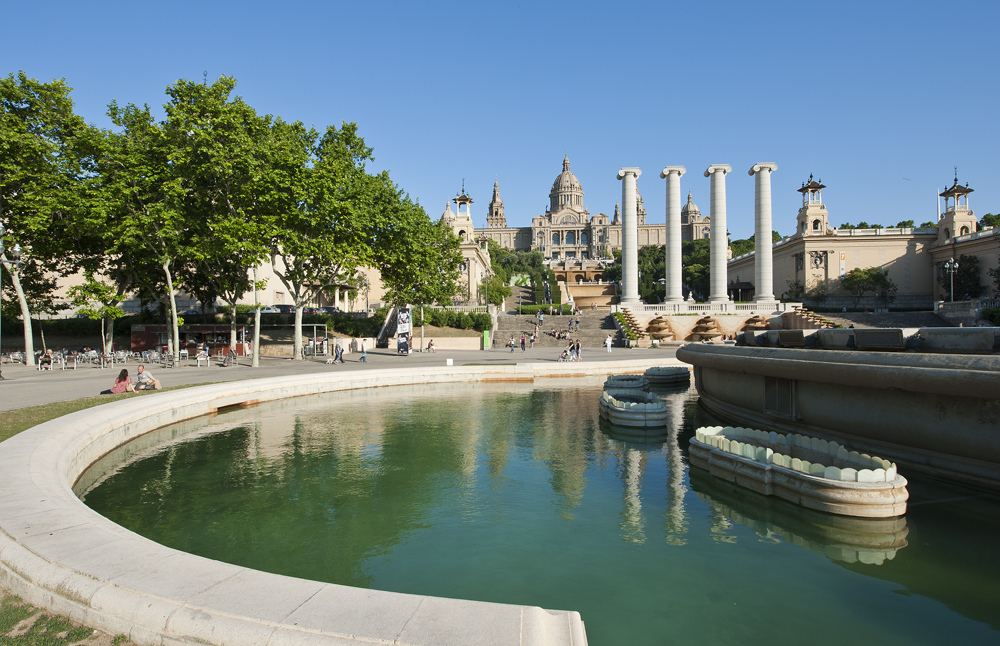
<point>521,495</point>
<point>840,538</point>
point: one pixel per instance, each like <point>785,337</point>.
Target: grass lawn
<point>14,421</point>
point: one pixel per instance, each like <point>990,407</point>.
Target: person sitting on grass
<point>145,380</point>
<point>123,384</point>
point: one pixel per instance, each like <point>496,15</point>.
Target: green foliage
<point>928,225</point>
<point>871,280</point>
<point>991,314</point>
<point>795,289</point>
<point>994,274</point>
<point>966,279</point>
<point>988,220</point>
<point>419,259</point>
<point>905,224</point>
<point>626,328</point>
<point>557,309</point>
<point>741,247</point>
<point>454,319</point>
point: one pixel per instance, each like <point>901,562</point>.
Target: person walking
<point>531,342</point>
<point>511,344</point>
<point>524,342</point>
<point>607,342</point>
<point>572,350</point>
<point>579,351</point>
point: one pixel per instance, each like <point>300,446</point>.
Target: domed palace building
<point>574,243</point>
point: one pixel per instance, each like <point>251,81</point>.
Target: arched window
<point>584,238</point>
<point>555,238</point>
<point>947,233</point>
<point>965,231</point>
<point>570,237</point>
<point>816,225</point>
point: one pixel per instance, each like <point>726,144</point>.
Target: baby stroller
<point>564,356</point>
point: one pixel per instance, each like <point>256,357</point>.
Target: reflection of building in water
<point>563,448</point>
<point>675,520</point>
<point>841,538</point>
<point>632,524</point>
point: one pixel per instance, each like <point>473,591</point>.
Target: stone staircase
<point>595,326</point>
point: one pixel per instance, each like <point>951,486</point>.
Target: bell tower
<point>957,219</point>
<point>496,219</point>
<point>813,218</point>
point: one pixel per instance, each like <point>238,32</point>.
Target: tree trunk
<point>108,333</point>
<point>29,341</point>
<point>297,351</point>
<point>255,362</point>
<point>232,323</point>
<point>175,335</point>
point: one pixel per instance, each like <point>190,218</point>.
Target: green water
<point>519,495</point>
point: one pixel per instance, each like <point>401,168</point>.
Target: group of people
<point>527,342</point>
<point>144,380</point>
<point>338,354</point>
<point>573,352</point>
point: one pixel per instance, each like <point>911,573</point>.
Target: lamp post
<point>14,262</point>
<point>951,267</point>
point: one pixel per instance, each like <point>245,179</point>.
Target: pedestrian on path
<point>511,344</point>
<point>523,342</point>
<point>579,351</point>
<point>607,342</point>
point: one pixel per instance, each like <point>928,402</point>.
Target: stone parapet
<point>58,554</point>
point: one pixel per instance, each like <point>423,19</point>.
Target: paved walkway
<point>23,386</point>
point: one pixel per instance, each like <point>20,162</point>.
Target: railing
<point>711,308</point>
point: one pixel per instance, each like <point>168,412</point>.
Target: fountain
<point>805,470</point>
<point>706,329</point>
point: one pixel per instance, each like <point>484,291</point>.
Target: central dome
<point>566,190</point>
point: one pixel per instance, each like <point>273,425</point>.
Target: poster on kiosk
<point>403,330</point>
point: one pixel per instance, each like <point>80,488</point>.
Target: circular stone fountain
<point>626,382</point>
<point>661,375</point>
<point>633,408</point>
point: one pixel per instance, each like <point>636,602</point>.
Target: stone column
<point>763,266</point>
<point>720,237</point>
<point>674,270</point>
<point>630,237</point>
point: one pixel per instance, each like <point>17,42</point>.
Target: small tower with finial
<point>813,218</point>
<point>957,219</point>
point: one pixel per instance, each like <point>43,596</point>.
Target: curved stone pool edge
<point>57,553</point>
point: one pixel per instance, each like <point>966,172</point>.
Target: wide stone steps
<point>594,328</point>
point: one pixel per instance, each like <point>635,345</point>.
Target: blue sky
<point>880,100</point>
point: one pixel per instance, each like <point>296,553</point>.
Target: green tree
<point>497,291</point>
<point>240,167</point>
<point>994,274</point>
<point>42,164</point>
<point>324,237</point>
<point>871,280</point>
<point>98,300</point>
<point>145,197</point>
<point>905,224</point>
<point>989,220</point>
<point>418,259</point>
<point>928,225</point>
<point>966,279</point>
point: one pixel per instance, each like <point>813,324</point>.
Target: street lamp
<point>951,267</point>
<point>14,262</point>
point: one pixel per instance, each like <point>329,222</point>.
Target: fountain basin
<point>805,470</point>
<point>633,408</point>
<point>626,382</point>
<point>658,375</point>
